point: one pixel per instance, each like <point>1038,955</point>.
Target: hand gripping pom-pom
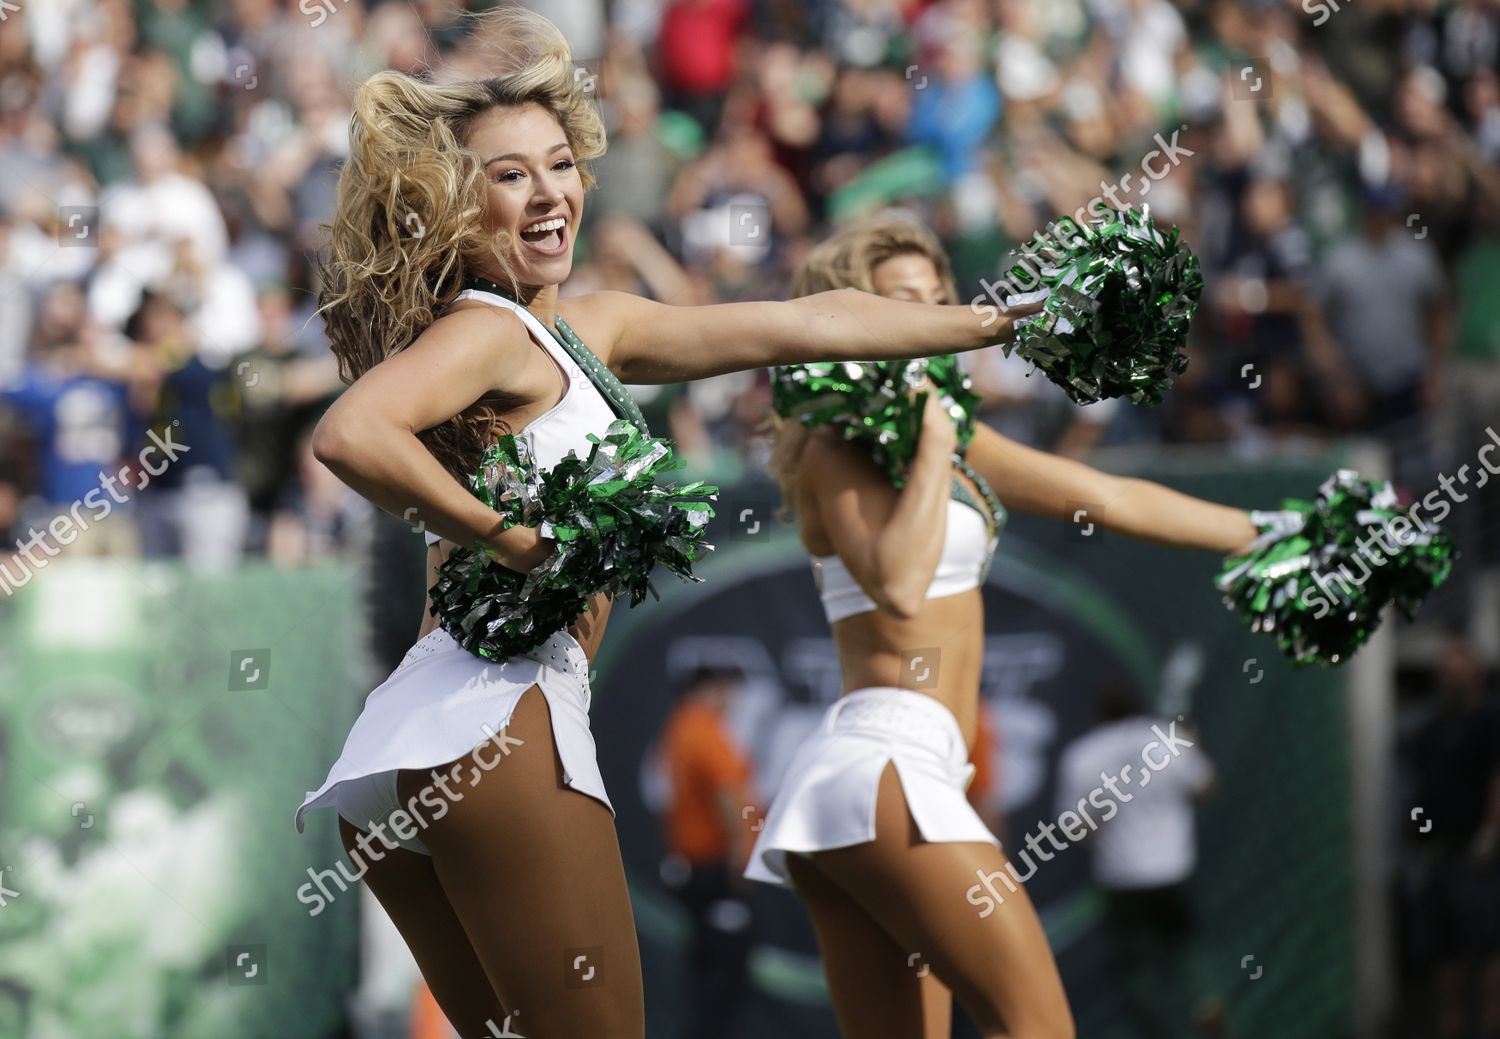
<point>1321,572</point>
<point>612,524</point>
<point>1118,298</point>
<point>873,402</point>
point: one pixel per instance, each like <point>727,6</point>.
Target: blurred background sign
<point>157,729</point>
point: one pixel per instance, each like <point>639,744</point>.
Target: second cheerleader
<point>871,825</point>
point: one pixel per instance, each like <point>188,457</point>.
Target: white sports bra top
<point>566,425</point>
<point>966,545</point>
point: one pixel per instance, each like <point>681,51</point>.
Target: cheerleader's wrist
<point>503,549</point>
<point>518,547</point>
<point>1277,521</point>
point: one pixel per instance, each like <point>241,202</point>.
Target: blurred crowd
<point>169,163</point>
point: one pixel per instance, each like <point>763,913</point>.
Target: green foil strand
<point>612,524</point>
<point>873,402</point>
<point>1320,573</point>
<point>877,404</point>
<point>1118,298</point>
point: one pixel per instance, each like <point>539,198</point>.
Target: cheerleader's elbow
<point>903,603</point>
<point>331,443</point>
<point>349,445</point>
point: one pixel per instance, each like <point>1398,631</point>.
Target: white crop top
<point>966,545</point>
<point>566,425</point>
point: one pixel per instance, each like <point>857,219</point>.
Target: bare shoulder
<point>480,322</point>
<point>598,317</point>
<point>835,482</point>
<point>473,338</point>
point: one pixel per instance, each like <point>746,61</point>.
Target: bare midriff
<point>937,653</point>
<point>877,648</point>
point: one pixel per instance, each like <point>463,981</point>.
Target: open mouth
<point>548,237</point>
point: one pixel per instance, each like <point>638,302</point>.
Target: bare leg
<point>999,967</point>
<point>533,872</point>
<point>877,987</point>
<point>407,886</point>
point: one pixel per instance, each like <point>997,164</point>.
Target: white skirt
<point>827,799</point>
<point>442,701</point>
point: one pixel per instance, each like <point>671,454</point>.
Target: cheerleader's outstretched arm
<point>653,342</point>
<point>1028,480</point>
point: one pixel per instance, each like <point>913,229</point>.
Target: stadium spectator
<point>732,206</point>
<point>697,46</point>
<point>76,410</point>
<point>194,508</point>
<point>280,394</point>
<point>1471,405</point>
<point>1144,854</point>
<point>639,159</point>
<point>321,518</point>
<point>708,838</point>
<point>958,105</point>
<point>1385,302</point>
<point>1279,366</point>
<point>1453,914</point>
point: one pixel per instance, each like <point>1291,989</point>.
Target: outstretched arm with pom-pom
<point>1317,575</point>
<point>1028,480</point>
<point>1320,573</point>
<point>660,343</point>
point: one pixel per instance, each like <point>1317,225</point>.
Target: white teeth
<point>547,225</point>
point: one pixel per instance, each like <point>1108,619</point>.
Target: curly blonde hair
<point>409,221</point>
<point>847,259</point>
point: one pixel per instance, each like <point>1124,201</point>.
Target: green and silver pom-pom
<point>1118,296</point>
<point>872,401</point>
<point>1321,572</point>
<point>612,524</point>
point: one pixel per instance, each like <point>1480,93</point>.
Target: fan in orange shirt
<point>984,788</point>
<point>710,825</point>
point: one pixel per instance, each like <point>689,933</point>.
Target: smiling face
<point>909,276</point>
<point>535,191</point>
